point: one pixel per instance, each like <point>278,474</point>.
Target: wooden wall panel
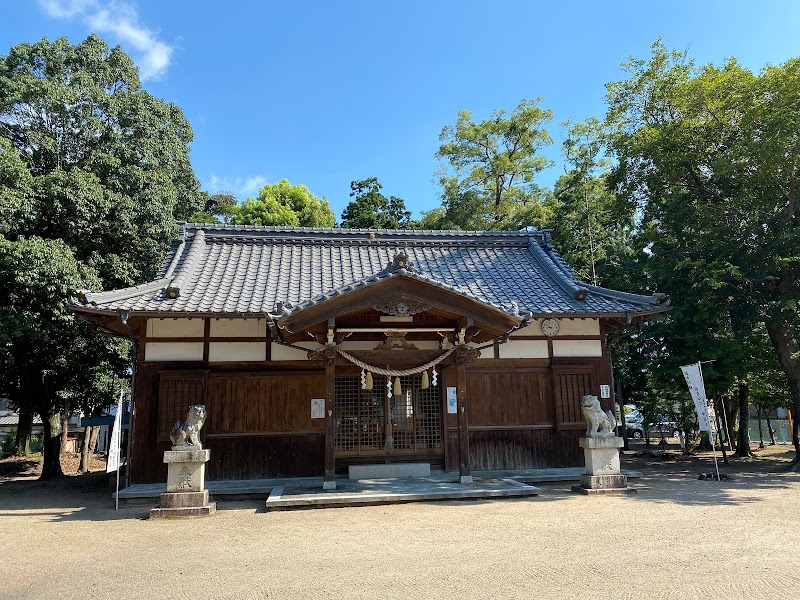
<point>600,369</point>
<point>571,384</point>
<point>524,449</point>
<point>257,425</point>
<point>273,403</point>
<point>265,456</point>
<point>147,453</point>
<point>498,398</point>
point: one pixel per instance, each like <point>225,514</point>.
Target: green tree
<point>371,209</point>
<point>221,205</point>
<point>285,204</point>
<point>591,227</point>
<point>94,173</point>
<point>709,157</point>
<point>488,170</point>
<point>38,331</point>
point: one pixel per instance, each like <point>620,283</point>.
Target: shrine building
<point>317,349</point>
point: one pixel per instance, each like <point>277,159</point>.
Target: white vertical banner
<point>114,448</point>
<point>114,445</point>
<point>694,379</point>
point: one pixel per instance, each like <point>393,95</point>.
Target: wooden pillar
<point>463,431</point>
<point>326,357</point>
<point>464,354</point>
<point>330,432</point>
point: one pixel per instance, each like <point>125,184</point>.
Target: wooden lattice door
<point>368,422</point>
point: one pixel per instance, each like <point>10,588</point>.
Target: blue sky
<point>322,93</point>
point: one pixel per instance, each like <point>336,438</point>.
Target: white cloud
<point>64,9</point>
<point>119,19</point>
<point>241,187</point>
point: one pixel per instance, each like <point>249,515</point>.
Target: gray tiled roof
<point>229,269</point>
<point>12,420</point>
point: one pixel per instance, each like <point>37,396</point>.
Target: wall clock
<point>550,327</point>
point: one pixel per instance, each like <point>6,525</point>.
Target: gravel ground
<point>677,538</point>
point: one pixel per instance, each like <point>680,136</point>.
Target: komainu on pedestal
<point>600,452</point>
<point>186,495</point>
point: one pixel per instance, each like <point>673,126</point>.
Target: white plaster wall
<point>175,328</point>
<point>159,351</point>
<point>577,348</point>
<point>280,352</point>
<point>524,349</point>
<point>238,328</point>
<point>566,327</point>
<point>579,327</point>
<point>236,351</point>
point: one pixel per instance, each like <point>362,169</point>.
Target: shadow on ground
<point>667,477</point>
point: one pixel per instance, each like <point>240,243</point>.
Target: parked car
<point>635,430</point>
<point>668,428</point>
<point>633,426</point>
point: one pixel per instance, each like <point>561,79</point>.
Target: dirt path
<point>677,538</point>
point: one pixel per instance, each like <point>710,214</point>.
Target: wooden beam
<point>381,358</point>
<point>206,337</point>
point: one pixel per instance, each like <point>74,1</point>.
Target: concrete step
<point>377,492</point>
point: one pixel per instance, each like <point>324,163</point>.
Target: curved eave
<point>398,285</point>
<point>166,314</point>
<point>95,298</point>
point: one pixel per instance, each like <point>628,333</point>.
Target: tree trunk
<point>621,402</point>
<point>721,445</point>
<point>705,442</point>
<point>743,441</point>
<point>771,431</point>
<point>22,443</point>
<point>760,430</point>
<point>788,349</point>
<point>90,435</point>
<point>719,402</point>
<point>727,420</point>
<point>64,427</point>
<point>51,446</point>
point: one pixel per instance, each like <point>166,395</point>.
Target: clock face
<point>550,327</point>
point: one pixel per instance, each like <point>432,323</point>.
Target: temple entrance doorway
<point>378,422</point>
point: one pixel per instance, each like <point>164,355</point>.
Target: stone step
<point>389,470</point>
<point>421,491</point>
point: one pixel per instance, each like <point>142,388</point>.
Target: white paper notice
<point>317,408</point>
<point>452,401</point>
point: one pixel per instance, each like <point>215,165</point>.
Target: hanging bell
<point>398,389</point>
<point>368,381</point>
<point>434,379</point>
<point>424,380</point>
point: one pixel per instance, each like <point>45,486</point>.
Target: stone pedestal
<point>602,474</point>
<point>186,495</point>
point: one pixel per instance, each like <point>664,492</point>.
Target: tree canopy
<point>488,170</point>
<point>708,157</point>
<point>95,171</point>
<point>371,209</point>
<point>285,204</point>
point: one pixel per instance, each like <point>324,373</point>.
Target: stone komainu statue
<point>185,433</point>
<point>599,424</point>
